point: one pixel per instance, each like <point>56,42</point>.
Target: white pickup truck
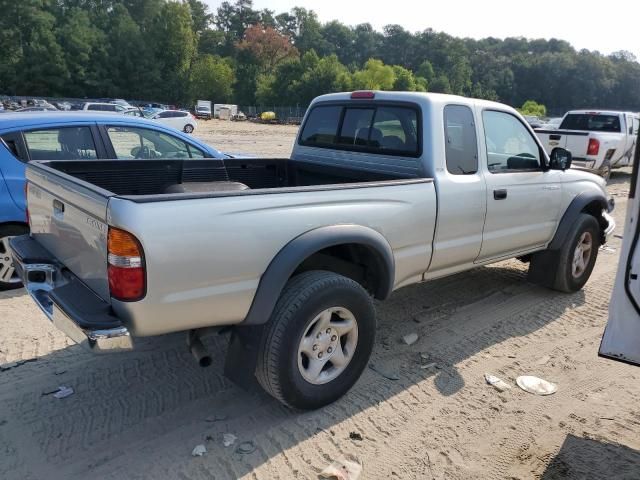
<point>598,140</point>
<point>383,190</point>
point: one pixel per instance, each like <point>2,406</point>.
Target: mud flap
<point>543,268</point>
<point>242,357</point>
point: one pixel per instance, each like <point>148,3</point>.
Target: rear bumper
<point>66,301</point>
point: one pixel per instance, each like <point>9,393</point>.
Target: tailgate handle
<point>58,206</point>
<point>555,137</point>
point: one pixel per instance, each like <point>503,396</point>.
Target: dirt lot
<point>139,415</point>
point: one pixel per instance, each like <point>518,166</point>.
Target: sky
<point>590,25</point>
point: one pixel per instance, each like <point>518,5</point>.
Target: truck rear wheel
<point>318,340</point>
<point>8,277</point>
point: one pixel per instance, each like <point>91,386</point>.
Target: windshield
<point>591,122</point>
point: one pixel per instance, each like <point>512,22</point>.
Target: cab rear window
<point>382,129</point>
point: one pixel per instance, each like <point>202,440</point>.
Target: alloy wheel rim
<point>7,270</point>
<point>327,345</point>
<point>581,255</point>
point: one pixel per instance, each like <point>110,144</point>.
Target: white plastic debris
<point>496,382</point>
<point>198,451</point>
<point>536,385</point>
<point>63,392</point>
<point>228,439</point>
<point>410,338</point>
<point>342,469</point>
<point>428,365</point>
<point>608,249</point>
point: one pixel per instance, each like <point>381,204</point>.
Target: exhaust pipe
<point>197,349</point>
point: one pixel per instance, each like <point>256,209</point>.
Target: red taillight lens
<point>126,268</point>
<point>363,94</point>
<point>594,147</point>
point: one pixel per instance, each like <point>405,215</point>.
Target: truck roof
<point>597,111</point>
<point>415,97</point>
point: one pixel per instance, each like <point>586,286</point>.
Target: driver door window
<point>131,142</point>
<point>510,146</point>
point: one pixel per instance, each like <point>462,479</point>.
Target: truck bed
<point>150,180</point>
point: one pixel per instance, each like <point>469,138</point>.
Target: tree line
<point>179,51</point>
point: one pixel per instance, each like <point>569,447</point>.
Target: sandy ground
<point>139,415</point>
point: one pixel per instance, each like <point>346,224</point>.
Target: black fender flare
<point>576,207</point>
<point>302,247</point>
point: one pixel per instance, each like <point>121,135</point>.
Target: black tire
<point>565,281</point>
<point>5,257</point>
<point>304,297</point>
<point>188,128</point>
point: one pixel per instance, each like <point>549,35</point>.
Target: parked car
<point>73,136</point>
<point>551,123</point>
<point>103,107</point>
<point>621,339</point>
<point>203,110</point>
<point>178,119</point>
<point>120,101</point>
<point>534,121</point>
<point>383,190</point>
<point>37,109</point>
<point>599,140</point>
<point>134,112</point>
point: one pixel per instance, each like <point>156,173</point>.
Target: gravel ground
<point>139,415</point>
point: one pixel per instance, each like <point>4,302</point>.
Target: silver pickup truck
<point>382,190</point>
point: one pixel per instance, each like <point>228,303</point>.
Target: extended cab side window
<point>461,146</point>
<point>133,142</point>
<point>510,146</point>
<point>67,143</point>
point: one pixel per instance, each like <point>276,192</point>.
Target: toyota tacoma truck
<point>382,190</point>
<point>598,140</point>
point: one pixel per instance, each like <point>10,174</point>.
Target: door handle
<point>500,194</point>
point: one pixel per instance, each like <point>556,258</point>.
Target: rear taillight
<point>126,268</point>
<point>594,146</point>
<point>363,94</point>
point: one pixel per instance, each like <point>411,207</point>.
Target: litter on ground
<point>536,385</point>
<point>496,382</point>
<point>198,451</point>
<point>342,469</point>
<point>410,338</point>
<point>63,392</point>
<point>228,439</point>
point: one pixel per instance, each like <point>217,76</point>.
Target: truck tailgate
<point>68,218</point>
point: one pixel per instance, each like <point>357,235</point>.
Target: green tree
<point>83,45</point>
<point>531,107</point>
<point>175,47</point>
<point>440,84</point>
<point>211,78</point>
<point>374,76</point>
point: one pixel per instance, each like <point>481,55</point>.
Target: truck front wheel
<point>568,269</point>
<point>318,340</point>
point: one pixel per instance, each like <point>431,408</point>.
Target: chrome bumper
<point>73,314</point>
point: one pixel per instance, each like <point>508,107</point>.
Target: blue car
<point>69,136</point>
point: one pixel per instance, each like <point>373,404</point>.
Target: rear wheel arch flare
<point>303,252</point>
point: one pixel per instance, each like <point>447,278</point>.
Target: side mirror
<point>560,159</point>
